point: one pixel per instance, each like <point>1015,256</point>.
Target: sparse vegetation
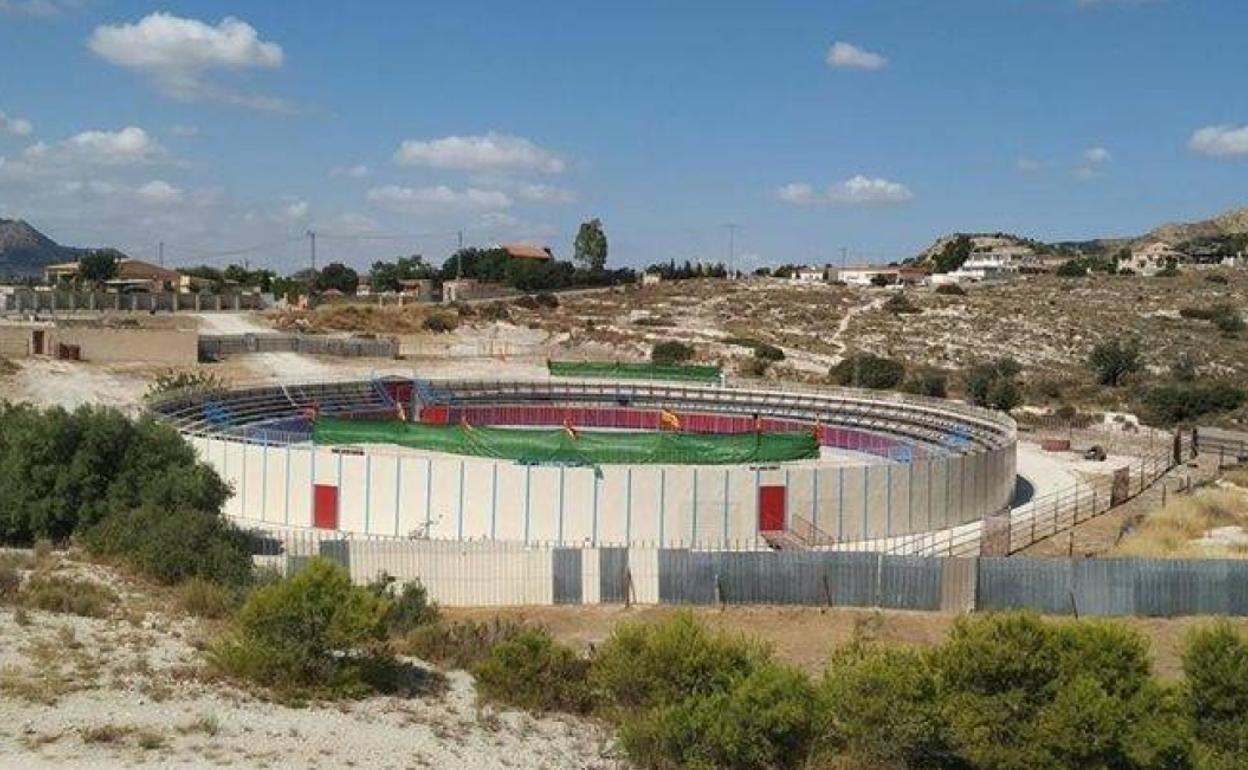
<point>671,352</point>
<point>534,672</point>
<point>900,304</point>
<point>867,370</point>
<point>1174,530</point>
<point>173,381</point>
<point>440,322</point>
<point>408,607</point>
<point>56,593</point>
<point>457,645</point>
<point>1183,402</point>
<point>951,290</point>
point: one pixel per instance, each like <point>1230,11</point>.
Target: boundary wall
<point>496,574</point>
<point>216,345</point>
<point>24,300</point>
<point>961,469</point>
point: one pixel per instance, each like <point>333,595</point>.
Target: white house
<point>1152,258</point>
<point>810,275</point>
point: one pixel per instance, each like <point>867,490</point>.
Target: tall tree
<point>590,248</point>
<point>99,265</point>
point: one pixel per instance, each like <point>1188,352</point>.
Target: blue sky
<point>873,125</point>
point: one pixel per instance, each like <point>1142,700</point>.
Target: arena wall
<point>441,497</point>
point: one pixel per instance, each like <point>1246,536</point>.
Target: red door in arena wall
<point>325,506</point>
<point>771,513</point>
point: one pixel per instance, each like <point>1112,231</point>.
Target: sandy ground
<point>69,384</point>
<point>129,691</point>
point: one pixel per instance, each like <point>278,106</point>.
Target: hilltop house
<point>1152,258</point>
<point>810,275</point>
<point>525,251</point>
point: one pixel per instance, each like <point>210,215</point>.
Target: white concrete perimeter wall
<point>460,574</point>
<point>463,499</point>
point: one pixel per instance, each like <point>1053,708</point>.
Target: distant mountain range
<point>1228,230</point>
<point>24,251</point>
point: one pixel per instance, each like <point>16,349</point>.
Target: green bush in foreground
<point>866,370</point>
<point>1215,664</point>
<point>766,719</point>
<point>534,672</point>
<point>62,594</point>
<point>409,606</point>
<point>642,665</point>
<point>313,631</point>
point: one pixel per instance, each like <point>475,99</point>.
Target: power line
<point>214,255</point>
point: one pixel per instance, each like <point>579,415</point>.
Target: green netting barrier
<point>633,371</point>
<point>556,446</point>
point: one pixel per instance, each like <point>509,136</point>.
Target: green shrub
<point>62,472</point>
<point>951,290</point>
<point>1185,402</point>
<point>1225,316</point>
<point>172,381</point>
<point>1072,268</point>
<point>993,384</point>
<point>62,594</point>
<point>547,300</point>
<point>532,671</point>
<point>671,352</point>
<point>1215,666</point>
<point>1113,360</point>
<point>766,719</point>
<point>312,631</point>
<point>882,708</point>
<point>928,381</point>
<point>900,304</point>
<point>496,311</point>
<point>205,599</point>
<point>866,370</point>
<point>440,322</point>
<point>458,645</point>
<point>762,350</point>
<point>643,665</point>
<point>174,545</point>
<point>409,607</point>
<point>1217,278</point>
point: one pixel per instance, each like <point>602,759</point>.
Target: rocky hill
<point>24,251</point>
<point>1229,226</point>
<point>1230,223</point>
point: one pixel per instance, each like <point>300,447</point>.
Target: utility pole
<point>732,244</point>
<point>312,243</point>
<point>160,249</point>
<point>459,256</point>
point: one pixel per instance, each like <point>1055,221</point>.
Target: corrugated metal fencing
<point>500,574</point>
<point>213,346</point>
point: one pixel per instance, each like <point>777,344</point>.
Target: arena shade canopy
<point>573,446</point>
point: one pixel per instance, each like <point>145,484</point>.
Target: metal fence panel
<point>567,575</point>
<point>613,575</point>
<point>909,582</point>
<point>1014,583</point>
<point>1170,587</point>
<point>1104,586</point>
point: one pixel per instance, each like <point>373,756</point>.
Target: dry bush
<point>67,595</point>
<point>1172,530</point>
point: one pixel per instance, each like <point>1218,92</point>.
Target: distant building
<point>525,251</point>
<point>810,275</point>
<point>867,275</point>
<point>650,279</point>
<point>132,275</point>
<point>1152,258</point>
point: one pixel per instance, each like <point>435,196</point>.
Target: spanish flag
<point>668,419</point>
<point>568,429</point>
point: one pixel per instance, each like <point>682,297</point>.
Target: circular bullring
<point>598,462</point>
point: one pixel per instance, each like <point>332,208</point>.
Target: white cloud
<point>408,199</point>
<point>160,191</point>
<point>176,53</point>
<point>541,193</point>
<point>861,189</point>
<point>15,126</point>
<point>490,152</point>
<point>293,211</point>
<point>857,190</point>
<point>130,146</point>
<point>1221,141</point>
<point>844,55</point>
<point>358,171</point>
<point>798,193</point>
<point>1097,155</point>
